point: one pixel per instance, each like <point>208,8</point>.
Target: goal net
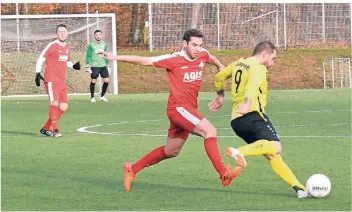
<point>337,73</point>
<point>23,38</point>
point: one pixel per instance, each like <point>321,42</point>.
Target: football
<point>318,185</point>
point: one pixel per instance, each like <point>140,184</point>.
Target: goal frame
<point>96,15</point>
<point>331,63</point>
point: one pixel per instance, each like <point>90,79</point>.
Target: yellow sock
<point>280,167</point>
<point>260,147</point>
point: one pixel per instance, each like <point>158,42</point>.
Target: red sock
<point>54,115</point>
<point>149,159</point>
<point>211,147</point>
<point>47,126</point>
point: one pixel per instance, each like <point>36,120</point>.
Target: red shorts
<point>57,92</point>
<point>183,120</point>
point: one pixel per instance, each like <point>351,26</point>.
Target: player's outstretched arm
<point>213,60</point>
<point>138,60</point>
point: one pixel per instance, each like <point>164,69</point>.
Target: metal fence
<point>225,25</point>
<point>233,26</point>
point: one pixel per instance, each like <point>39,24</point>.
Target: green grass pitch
<point>83,171</point>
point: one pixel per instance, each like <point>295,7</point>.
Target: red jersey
<point>56,57</point>
<point>184,77</point>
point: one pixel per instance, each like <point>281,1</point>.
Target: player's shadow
<point>17,133</point>
<point>152,186</point>
<point>145,187</point>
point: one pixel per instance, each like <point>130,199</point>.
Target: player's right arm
<point>162,61</point>
<point>40,61</point>
<point>138,60</point>
<point>220,79</point>
<point>222,76</point>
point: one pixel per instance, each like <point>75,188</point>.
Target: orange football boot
<point>230,174</point>
<point>238,156</point>
<point>128,175</point>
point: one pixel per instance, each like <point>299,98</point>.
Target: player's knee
<point>270,157</point>
<point>106,80</point>
<point>94,81</point>
<point>278,146</point>
<point>172,152</point>
<point>205,129</point>
<point>63,106</point>
<point>211,132</point>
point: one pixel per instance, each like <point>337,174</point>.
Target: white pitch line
<point>223,136</point>
<point>292,112</point>
<point>294,125</point>
<point>145,133</point>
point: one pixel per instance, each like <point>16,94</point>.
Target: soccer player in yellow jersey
<point>249,119</point>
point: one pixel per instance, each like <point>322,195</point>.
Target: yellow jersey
<point>248,79</point>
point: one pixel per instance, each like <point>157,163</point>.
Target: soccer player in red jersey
<point>184,73</point>
<point>56,57</point>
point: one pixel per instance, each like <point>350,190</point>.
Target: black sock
<point>92,87</point>
<point>105,87</point>
<point>296,188</point>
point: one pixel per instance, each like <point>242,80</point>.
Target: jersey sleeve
<point>164,61</point>
<point>89,54</point>
<point>222,76</point>
<point>42,57</point>
<point>256,75</point>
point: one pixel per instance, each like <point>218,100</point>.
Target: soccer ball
<point>318,185</point>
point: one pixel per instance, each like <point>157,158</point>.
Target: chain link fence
<point>160,26</point>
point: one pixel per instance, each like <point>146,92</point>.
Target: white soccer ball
<point>318,185</point>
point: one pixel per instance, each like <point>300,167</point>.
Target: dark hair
<point>264,46</point>
<point>61,25</point>
<point>96,31</point>
<point>192,33</point>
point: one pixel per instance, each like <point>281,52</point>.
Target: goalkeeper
<point>96,65</point>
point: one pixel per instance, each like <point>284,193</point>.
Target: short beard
<point>62,40</point>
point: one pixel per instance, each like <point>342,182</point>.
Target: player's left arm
<point>213,60</point>
<point>69,64</point>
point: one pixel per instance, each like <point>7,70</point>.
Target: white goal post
<point>23,37</point>
<point>337,73</point>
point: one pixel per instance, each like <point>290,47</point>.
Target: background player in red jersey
<point>57,58</point>
<point>184,74</point>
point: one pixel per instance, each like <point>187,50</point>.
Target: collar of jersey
<point>185,55</point>
<point>58,42</point>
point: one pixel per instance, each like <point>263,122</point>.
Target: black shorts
<point>103,71</point>
<point>252,127</point>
